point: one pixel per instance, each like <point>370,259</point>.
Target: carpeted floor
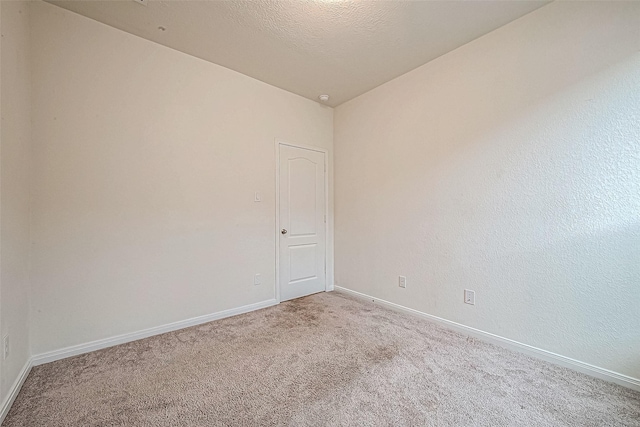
<point>323,360</point>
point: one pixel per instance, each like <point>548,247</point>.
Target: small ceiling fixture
<point>324,98</point>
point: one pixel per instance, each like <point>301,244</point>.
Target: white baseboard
<point>576,365</point>
<point>75,350</point>
<point>14,390</point>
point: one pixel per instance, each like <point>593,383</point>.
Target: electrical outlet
<point>257,279</point>
<point>469,297</point>
<point>402,281</point>
<point>5,347</point>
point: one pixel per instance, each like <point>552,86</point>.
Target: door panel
<point>302,222</point>
<point>302,196</point>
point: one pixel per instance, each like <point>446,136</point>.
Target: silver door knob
<point>284,231</point>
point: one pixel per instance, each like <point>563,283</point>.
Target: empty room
<point>319,213</point>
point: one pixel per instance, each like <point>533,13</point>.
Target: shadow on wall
<point>511,166</point>
<point>555,218</point>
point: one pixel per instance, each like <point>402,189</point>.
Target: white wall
<point>146,161</point>
<point>14,189</point>
<point>510,166</point>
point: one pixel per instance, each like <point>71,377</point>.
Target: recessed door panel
<point>303,262</point>
<point>302,196</point>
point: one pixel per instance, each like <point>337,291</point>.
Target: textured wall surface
<point>146,161</point>
<point>342,48</point>
<point>510,166</point>
<point>15,153</point>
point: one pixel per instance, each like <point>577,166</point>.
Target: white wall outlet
<point>402,281</point>
<point>5,347</point>
<point>257,279</point>
<point>469,297</point>
<point>257,197</point>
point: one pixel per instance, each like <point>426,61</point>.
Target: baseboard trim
<point>567,362</point>
<point>14,390</point>
<point>75,350</point>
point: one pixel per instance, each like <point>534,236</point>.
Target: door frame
<point>325,152</point>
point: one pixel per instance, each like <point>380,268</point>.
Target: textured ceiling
<point>310,47</point>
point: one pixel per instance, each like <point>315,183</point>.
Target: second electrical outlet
<point>469,297</point>
<point>402,281</point>
<point>5,347</point>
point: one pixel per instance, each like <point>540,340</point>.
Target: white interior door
<point>302,222</point>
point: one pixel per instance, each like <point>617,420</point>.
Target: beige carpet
<point>322,360</point>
